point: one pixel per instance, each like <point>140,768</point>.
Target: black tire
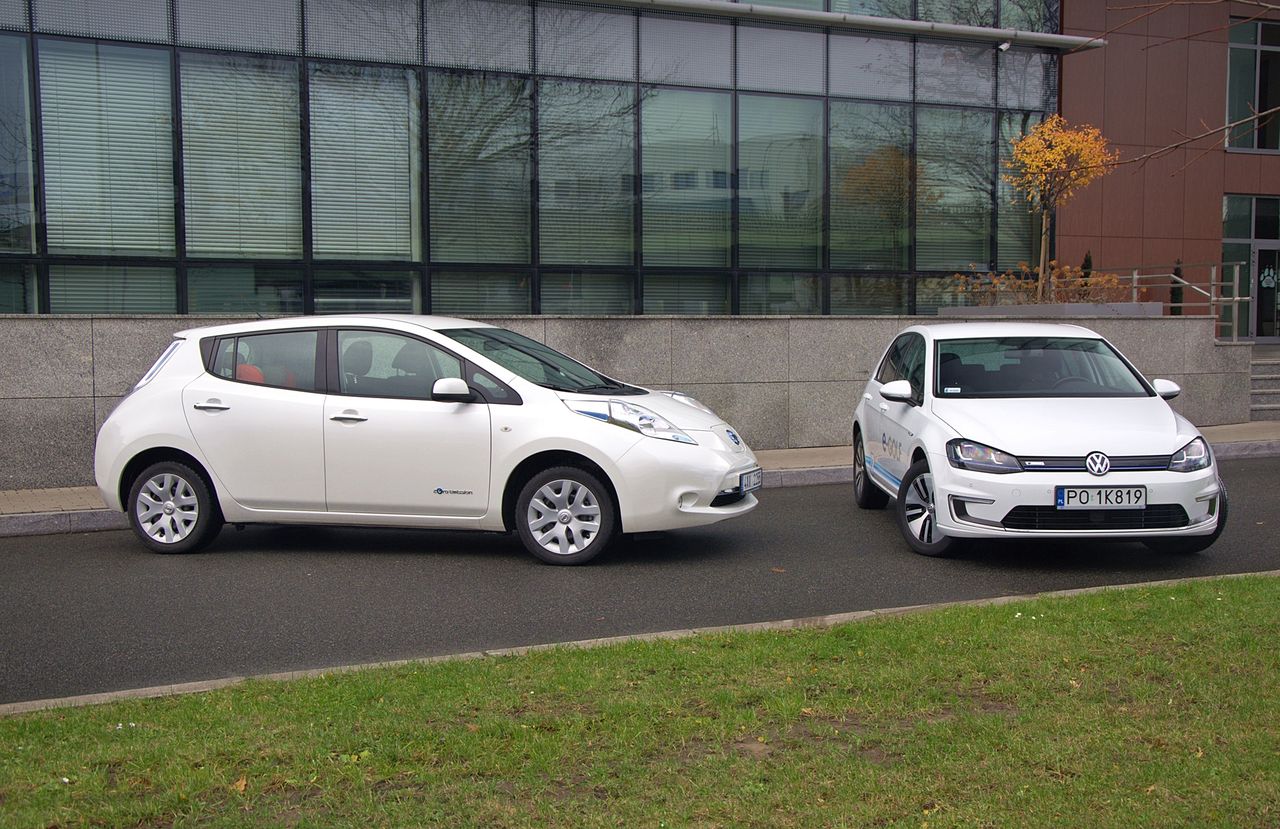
<point>865,493</point>
<point>1193,543</point>
<point>572,510</point>
<point>915,503</point>
<point>162,502</point>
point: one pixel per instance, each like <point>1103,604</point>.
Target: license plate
<point>1101,497</point>
<point>752,480</point>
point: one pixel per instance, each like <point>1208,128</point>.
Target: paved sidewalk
<point>81,509</point>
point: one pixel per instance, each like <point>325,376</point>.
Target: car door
<point>256,416</point>
<point>898,419</point>
<point>879,450</point>
<point>389,448</point>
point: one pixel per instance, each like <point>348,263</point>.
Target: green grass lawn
<point>1146,707</point>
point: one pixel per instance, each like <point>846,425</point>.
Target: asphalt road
<point>95,612</point>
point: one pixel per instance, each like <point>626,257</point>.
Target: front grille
<point>727,499</point>
<point>1119,463</point>
<point>1154,517</point>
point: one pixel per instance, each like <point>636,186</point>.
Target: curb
<point>94,520</point>
<point>806,622</point>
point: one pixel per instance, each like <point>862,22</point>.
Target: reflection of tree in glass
<point>386,30</point>
<point>15,149</point>
<point>964,12</point>
<point>1029,15</point>
<point>871,169</point>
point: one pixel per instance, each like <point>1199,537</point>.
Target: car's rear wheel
<point>1194,543</point>
<point>172,510</point>
<point>565,515</point>
<point>865,493</point>
<point>917,513</point>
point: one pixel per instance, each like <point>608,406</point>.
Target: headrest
<point>413,358</point>
<point>358,358</point>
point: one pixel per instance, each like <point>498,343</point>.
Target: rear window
<point>1033,367</point>
<point>285,360</point>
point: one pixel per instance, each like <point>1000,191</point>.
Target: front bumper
<point>667,485</point>
<point>1022,504</point>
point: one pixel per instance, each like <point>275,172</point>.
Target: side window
<point>494,391</point>
<point>891,367</point>
<point>913,365</point>
<point>286,360</point>
<point>378,364</point>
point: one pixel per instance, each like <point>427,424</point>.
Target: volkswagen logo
<point>1097,463</point>
<point>733,437</point>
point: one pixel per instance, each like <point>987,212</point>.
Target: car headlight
<point>968,454</point>
<point>688,401</point>
<point>1195,455</point>
<point>630,416</point>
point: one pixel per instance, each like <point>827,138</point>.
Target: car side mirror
<point>897,390</point>
<point>1166,388</point>
<point>451,390</point>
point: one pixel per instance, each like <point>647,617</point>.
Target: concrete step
<point>1257,396</point>
<point>1264,411</point>
<point>1264,382</point>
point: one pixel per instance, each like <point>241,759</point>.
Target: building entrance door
<point>1266,276</point>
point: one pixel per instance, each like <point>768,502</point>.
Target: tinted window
<point>904,361</point>
<point>1033,367</point>
<point>286,360</point>
<point>376,364</point>
<point>536,362</point>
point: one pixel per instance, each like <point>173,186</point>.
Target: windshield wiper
<point>602,387</point>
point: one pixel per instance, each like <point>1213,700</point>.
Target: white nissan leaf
<point>1013,430</point>
<point>410,421</point>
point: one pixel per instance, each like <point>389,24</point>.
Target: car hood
<point>1066,426</point>
<point>681,415</point>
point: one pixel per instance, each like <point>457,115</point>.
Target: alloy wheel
<point>564,516</point>
<point>920,508</point>
<point>167,508</point>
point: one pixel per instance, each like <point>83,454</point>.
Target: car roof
<point>400,321</point>
<point>982,330</point>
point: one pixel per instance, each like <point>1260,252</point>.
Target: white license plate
<point>1101,497</point>
<point>752,480</point>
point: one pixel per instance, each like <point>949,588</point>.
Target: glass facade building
<point>484,157</point>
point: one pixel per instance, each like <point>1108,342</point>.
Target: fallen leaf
<point>776,570</point>
<point>241,784</point>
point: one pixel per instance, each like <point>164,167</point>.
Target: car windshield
<point>1033,367</point>
<point>536,362</point>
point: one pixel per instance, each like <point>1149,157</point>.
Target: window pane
<point>1268,98</point>
<point>480,169</point>
<point>76,289</point>
<point>1266,219</point>
<point>17,230</point>
<point>260,25</point>
<point>780,293</point>
<point>286,360</point>
<point>479,34</point>
<point>17,289</point>
<point>870,67</point>
<point>586,293</point>
<point>868,295</point>
<point>1243,33</point>
<point>964,12</point>
<point>586,180</point>
<point>122,19</point>
<point>686,294</point>
<point>361,291</point>
<point>1019,227</point>
<point>365,170</point>
<point>241,157</point>
<point>1241,78</point>
<point>244,289</point>
<point>1270,34</point>
<point>13,14</point>
<point>1028,80</point>
<point>472,292</point>
<point>573,40</point>
<point>953,73</point>
<point>686,50</point>
<point>108,148</point>
<point>390,365</point>
<point>385,30</point>
<point>1029,15</point>
<point>686,152</point>
<point>955,174</point>
<point>878,8</point>
<point>780,163</point>
<point>1237,217</point>
<point>812,5</point>
<point>781,60</point>
<point>870,185</point>
<point>933,293</point>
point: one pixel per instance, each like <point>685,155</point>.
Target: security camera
<point>1004,47</point>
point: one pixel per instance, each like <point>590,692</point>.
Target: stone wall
<point>783,382</point>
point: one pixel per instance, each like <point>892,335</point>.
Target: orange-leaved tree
<point>1049,165</point>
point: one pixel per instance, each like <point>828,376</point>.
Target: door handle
<point>211,406</point>
<point>349,417</point>
<point>884,407</point>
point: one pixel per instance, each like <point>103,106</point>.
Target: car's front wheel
<point>1194,543</point>
<point>172,510</point>
<point>865,494</point>
<point>565,515</point>
<point>917,513</point>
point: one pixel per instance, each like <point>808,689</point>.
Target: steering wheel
<point>1069,379</point>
